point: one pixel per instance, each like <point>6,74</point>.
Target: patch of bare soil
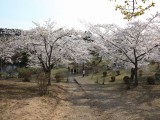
<point>38,108</point>
<point>71,108</point>
<point>20,101</point>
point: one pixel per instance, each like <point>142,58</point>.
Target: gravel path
<point>90,101</point>
<point>74,106</point>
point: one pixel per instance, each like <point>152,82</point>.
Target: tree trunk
<point>136,73</point>
<point>49,77</point>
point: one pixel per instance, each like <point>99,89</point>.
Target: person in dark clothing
<point>83,72</point>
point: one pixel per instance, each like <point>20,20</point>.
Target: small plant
<point>113,78</point>
<point>42,83</point>
<point>126,80</point>
<point>61,74</point>
<point>104,74</point>
<point>59,77</point>
<point>117,73</point>
<point>150,80</point>
<point>25,73</point>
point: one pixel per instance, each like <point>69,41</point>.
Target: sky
<point>66,13</point>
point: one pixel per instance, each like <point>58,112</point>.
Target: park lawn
<point>98,76</point>
<point>119,83</point>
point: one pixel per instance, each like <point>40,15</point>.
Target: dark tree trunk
<point>136,68</point>
<point>136,73</point>
<point>48,77</point>
<point>132,74</point>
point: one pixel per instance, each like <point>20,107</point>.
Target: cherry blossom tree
<point>131,45</point>
<point>49,46</point>
<point>8,40</point>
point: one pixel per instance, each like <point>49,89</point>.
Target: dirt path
<point>73,107</point>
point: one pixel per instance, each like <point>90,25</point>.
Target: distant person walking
<point>83,72</point>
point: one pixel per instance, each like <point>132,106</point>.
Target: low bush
<point>117,73</point>
<point>104,74</point>
<point>113,78</point>
<point>25,73</point>
<point>150,80</point>
<point>126,79</point>
<point>59,77</point>
<point>60,74</point>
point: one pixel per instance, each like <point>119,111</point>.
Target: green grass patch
<point>62,73</point>
<point>98,76</point>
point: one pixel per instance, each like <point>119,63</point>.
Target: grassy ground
<point>119,83</point>
<point>98,77</point>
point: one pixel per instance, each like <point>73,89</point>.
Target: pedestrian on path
<point>83,72</point>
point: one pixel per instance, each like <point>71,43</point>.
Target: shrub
<point>104,74</point>
<point>59,77</point>
<point>60,74</point>
<point>157,76</point>
<point>113,78</point>
<point>150,80</point>
<point>117,73</point>
<point>42,83</point>
<point>126,79</point>
<point>140,73</point>
<point>25,73</point>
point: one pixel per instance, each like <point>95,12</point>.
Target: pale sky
<point>68,13</point>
